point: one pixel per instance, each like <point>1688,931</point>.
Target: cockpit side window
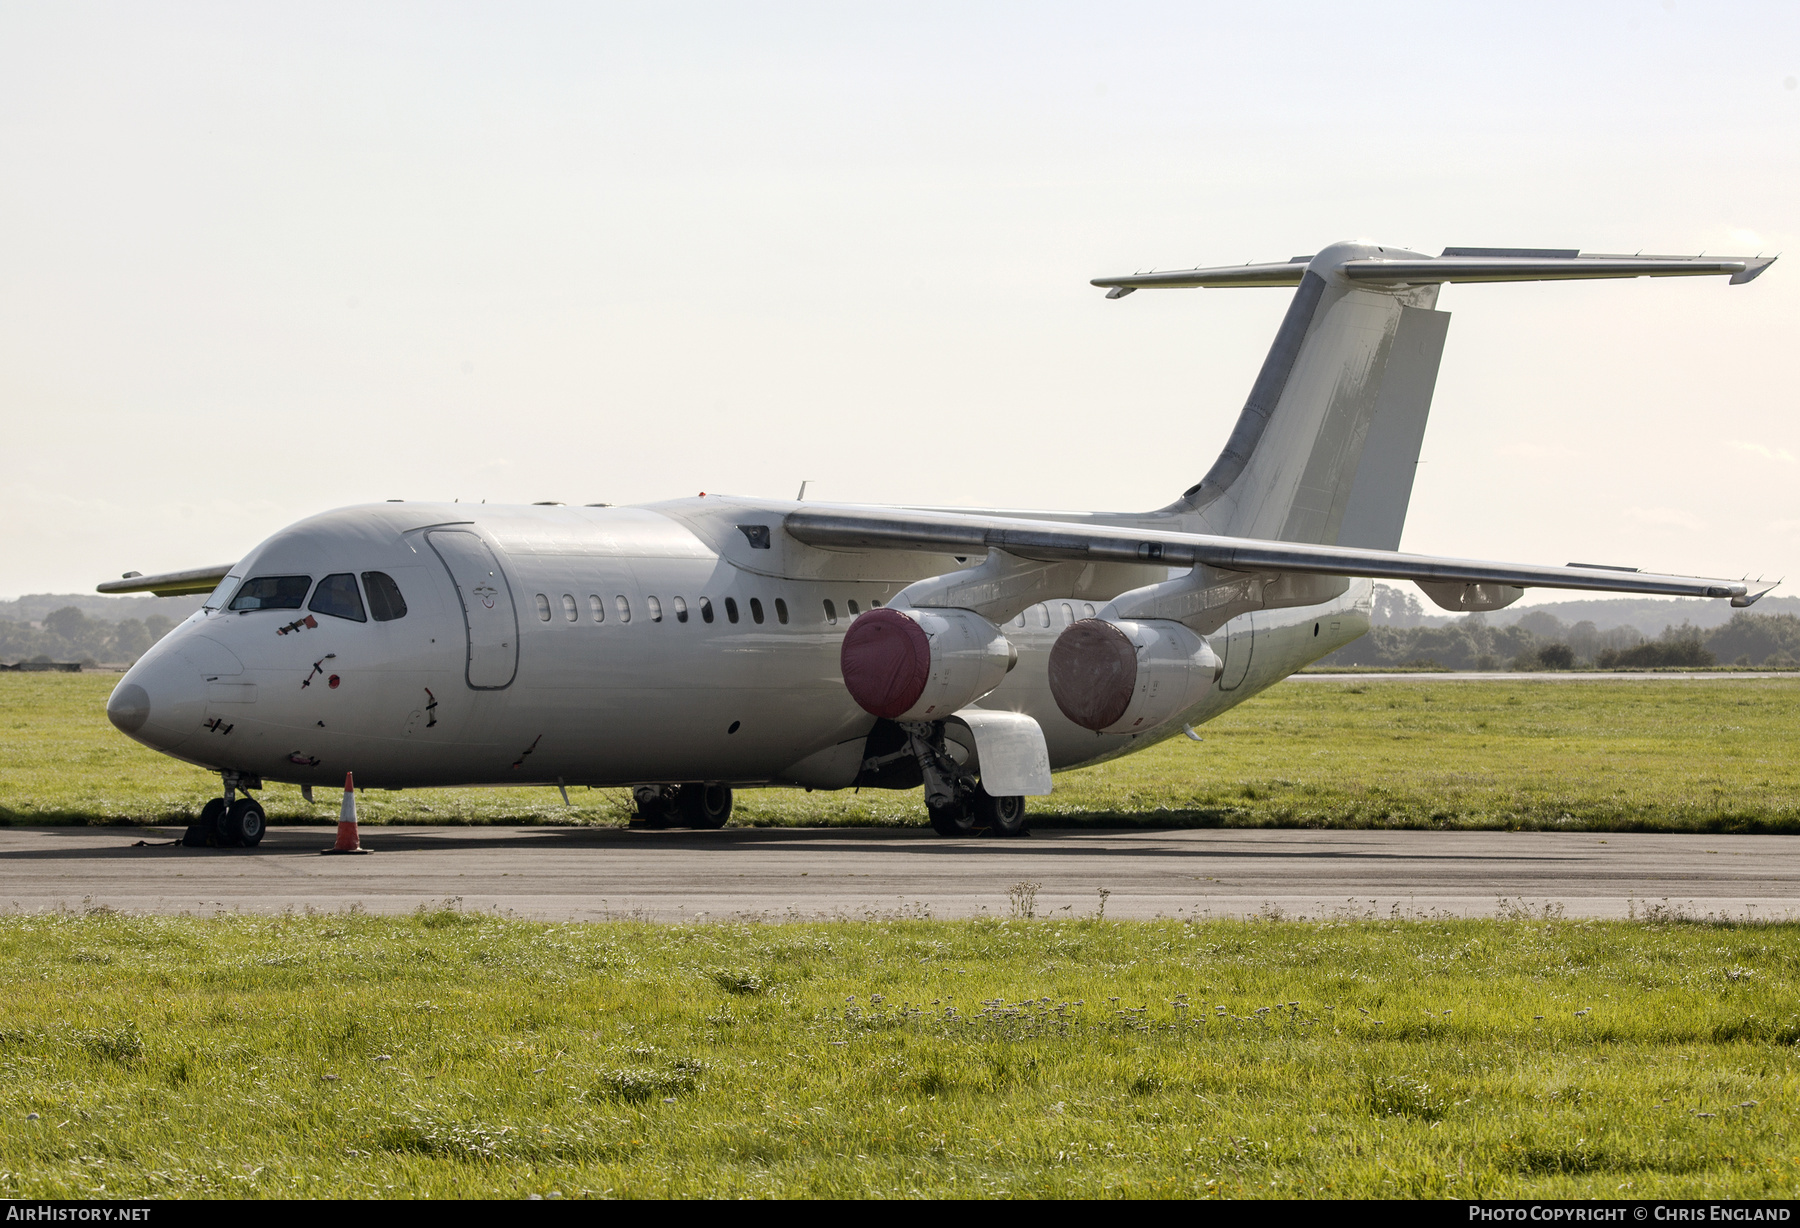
<point>337,596</point>
<point>222,594</point>
<point>385,602</point>
<point>272,593</point>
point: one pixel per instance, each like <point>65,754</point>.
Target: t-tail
<point>1325,448</point>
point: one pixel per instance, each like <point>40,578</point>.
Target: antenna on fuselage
<point>801,497</point>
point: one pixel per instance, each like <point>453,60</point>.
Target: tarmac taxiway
<point>566,873</point>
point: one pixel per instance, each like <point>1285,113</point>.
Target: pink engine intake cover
<point>1093,673</point>
<point>886,661</point>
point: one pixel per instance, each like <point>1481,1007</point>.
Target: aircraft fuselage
<point>687,641</point>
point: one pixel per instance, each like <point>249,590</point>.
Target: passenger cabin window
<point>1087,609</point>
<point>569,611</point>
<point>681,609</point>
<point>1043,612</point>
<point>756,613</point>
<point>385,602</point>
<point>706,610</point>
<point>731,614</point>
<point>1068,612</point>
<point>1020,620</point>
<point>655,609</point>
<point>853,610</point>
<point>272,593</point>
<point>830,612</point>
<point>624,608</point>
<point>543,605</point>
<point>781,611</point>
<point>596,607</point>
<point>337,596</point>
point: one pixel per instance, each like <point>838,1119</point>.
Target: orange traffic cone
<point>346,837</point>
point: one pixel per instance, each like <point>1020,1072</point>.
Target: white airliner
<point>693,647</point>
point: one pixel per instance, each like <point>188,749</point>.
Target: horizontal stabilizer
<point>1287,273</point>
<point>961,534</point>
<point>170,583</point>
<point>1457,264</point>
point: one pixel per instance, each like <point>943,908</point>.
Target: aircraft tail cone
<point>347,841</point>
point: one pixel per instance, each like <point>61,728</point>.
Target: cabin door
<point>487,605</point>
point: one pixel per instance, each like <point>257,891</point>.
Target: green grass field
<point>1654,756</point>
<point>453,1055</point>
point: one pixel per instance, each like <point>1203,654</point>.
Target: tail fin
<point>1326,446</point>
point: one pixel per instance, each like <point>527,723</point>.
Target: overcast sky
<point>257,261</point>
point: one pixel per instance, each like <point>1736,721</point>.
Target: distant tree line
<point>1540,640</point>
<point>70,635</point>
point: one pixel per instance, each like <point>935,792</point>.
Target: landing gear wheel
<point>655,808</point>
<point>243,824</point>
<point>955,820</point>
<point>204,831</point>
<point>1003,816</point>
<point>705,806</point>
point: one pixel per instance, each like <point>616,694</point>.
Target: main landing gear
<point>694,805</point>
<point>1002,816</point>
<point>954,799</point>
<point>229,821</point>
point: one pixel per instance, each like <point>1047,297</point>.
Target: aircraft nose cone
<point>129,707</point>
<point>162,699</point>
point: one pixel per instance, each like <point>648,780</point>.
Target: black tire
<point>244,824</point>
<point>203,832</point>
<point>1003,816</point>
<point>953,821</point>
<point>655,813</point>
<point>703,806</point>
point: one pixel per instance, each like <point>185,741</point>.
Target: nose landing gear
<point>243,824</point>
<point>229,821</point>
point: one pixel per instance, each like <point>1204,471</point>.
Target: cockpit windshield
<point>222,594</point>
<point>272,593</point>
<point>337,596</point>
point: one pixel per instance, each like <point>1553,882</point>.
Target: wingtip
<point>1753,269</point>
<point>1747,599</point>
<point>167,584</point>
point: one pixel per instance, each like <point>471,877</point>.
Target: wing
<point>1049,541</point>
<point>169,583</point>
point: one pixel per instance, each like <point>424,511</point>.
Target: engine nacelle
<point>1124,677</point>
<point>922,665</point>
